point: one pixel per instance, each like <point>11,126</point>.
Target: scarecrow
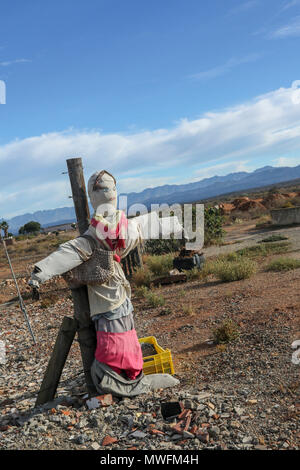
<point>118,363</point>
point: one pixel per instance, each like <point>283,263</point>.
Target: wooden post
<point>82,322</point>
<point>86,330</point>
<point>56,364</point>
<point>79,193</point>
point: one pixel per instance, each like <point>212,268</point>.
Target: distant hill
<point>176,193</point>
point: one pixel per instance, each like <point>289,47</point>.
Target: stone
<point>95,446</point>
<point>108,440</point>
<point>188,435</point>
<point>247,440</point>
<point>105,400</point>
<point>138,434</point>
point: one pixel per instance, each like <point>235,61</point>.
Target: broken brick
<point>184,414</point>
<point>108,440</point>
<point>187,423</point>
<point>105,400</point>
<point>203,436</point>
<point>194,429</point>
<point>156,431</point>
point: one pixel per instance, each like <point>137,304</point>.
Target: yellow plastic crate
<point>158,363</point>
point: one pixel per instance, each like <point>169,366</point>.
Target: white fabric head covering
<point>103,197</point>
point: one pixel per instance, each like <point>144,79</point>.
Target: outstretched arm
<point>66,257</point>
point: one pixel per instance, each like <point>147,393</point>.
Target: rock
<point>247,440</point>
<point>108,440</point>
<point>138,434</point>
<point>95,446</point>
<point>176,437</point>
<point>252,402</point>
<point>239,411</point>
<point>189,404</point>
<point>81,439</point>
<point>203,436</point>
<point>93,403</point>
<point>188,435</point>
<point>105,400</point>
<point>214,432</point>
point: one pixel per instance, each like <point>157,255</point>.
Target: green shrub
<point>213,221</point>
<point>141,291</point>
<point>189,310</point>
<point>161,247</point>
<point>228,271</point>
<point>142,277</point>
<point>273,238</point>
<point>193,274</point>
<point>160,265</point>
<point>264,249</point>
<point>154,300</point>
<point>283,264</point>
<point>49,301</point>
<point>227,332</point>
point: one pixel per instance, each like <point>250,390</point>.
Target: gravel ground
<point>244,395</point>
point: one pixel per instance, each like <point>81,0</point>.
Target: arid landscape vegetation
<point>229,326</point>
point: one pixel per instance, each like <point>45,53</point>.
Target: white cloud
<point>224,68</point>
<point>290,4</point>
<point>12,62</point>
<point>243,7</point>
<point>137,184</point>
<point>222,169</point>
<point>287,161</point>
<point>292,29</point>
<point>266,127</point>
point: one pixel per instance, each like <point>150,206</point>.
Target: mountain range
<point>176,193</point>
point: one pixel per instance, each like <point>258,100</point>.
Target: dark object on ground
<point>148,349</point>
<point>35,293</point>
<point>188,260</point>
<point>170,409</point>
<point>169,279</point>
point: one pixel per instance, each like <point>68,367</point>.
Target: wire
<point>22,305</point>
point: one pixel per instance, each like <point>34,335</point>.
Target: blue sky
<point>156,92</point>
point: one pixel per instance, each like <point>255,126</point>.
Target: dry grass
<point>227,332</point>
<point>228,271</point>
<point>283,264</point>
<point>154,300</point>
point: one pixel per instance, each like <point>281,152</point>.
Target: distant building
<point>59,228</point>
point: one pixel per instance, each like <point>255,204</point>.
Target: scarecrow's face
<point>103,194</point>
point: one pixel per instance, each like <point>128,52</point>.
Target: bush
<point>264,249</point>
<point>226,333</point>
<point>193,274</point>
<point>161,247</point>
<point>141,291</point>
<point>273,238</point>
<point>228,271</point>
<point>154,300</point>
<point>30,227</point>
<point>49,301</point>
<point>160,265</point>
<point>189,310</point>
<point>213,221</point>
<point>283,264</point>
<point>142,277</point>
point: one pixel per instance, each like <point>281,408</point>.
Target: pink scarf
<point>112,233</point>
